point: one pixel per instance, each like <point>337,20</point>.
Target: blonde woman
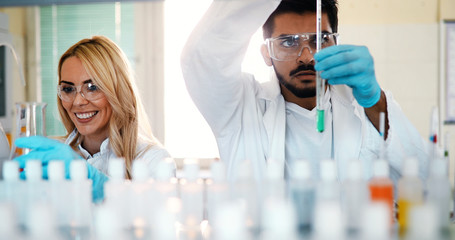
<point>101,112</point>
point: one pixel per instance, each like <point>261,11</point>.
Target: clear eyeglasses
<point>89,91</point>
<point>290,47</point>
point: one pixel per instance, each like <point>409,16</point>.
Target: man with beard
<point>276,120</point>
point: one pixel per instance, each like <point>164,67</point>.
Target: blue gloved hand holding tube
<point>46,149</point>
<point>353,66</point>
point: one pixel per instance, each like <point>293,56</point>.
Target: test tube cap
<point>218,171</point>
<point>245,171</point>
<point>140,170</point>
<point>33,170</point>
<point>78,170</point>
<point>328,170</point>
<point>56,170</point>
<point>381,168</point>
<point>355,170</point>
<point>411,167</point>
<point>10,170</point>
<point>165,169</point>
<point>439,168</point>
<point>275,169</point>
<point>301,170</point>
<point>191,169</point>
<point>117,168</point>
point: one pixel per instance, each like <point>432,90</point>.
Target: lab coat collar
<point>271,89</point>
<point>103,148</point>
<point>347,134</point>
<point>274,119</point>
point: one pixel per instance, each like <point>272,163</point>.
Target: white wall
<point>405,39</point>
<point>406,63</point>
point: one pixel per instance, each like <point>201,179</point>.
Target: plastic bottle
<point>116,190</point>
<point>375,222</point>
<point>14,191</point>
<point>165,184</point>
<point>328,222</point>
<point>439,191</point>
<point>8,222</point>
<point>279,220</point>
<point>11,193</point>
<point>81,199</point>
<point>41,223</point>
<point>165,170</point>
<point>328,188</point>
<point>355,196</point>
<point>139,197</point>
<point>59,192</point>
<point>274,184</point>
<point>217,188</point>
<point>303,194</point>
<point>9,185</point>
<point>234,214</point>
<point>245,189</point>
<point>192,194</point>
<point>410,191</point>
<point>381,186</point>
<point>164,191</point>
<point>423,223</point>
<point>164,225</point>
<point>108,224</point>
<point>37,189</point>
<point>33,171</point>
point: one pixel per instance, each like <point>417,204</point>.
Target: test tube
<point>320,83</point>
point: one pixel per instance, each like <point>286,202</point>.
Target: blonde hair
<point>108,68</point>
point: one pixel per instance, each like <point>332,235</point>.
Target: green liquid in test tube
<point>320,120</point>
<point>320,83</point>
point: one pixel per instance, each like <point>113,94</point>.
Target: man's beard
<point>298,92</point>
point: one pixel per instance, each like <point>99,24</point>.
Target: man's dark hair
<point>300,7</point>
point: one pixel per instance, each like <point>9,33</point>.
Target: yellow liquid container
<point>410,192</point>
<point>403,214</point>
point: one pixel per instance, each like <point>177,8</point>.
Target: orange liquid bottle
<point>381,186</point>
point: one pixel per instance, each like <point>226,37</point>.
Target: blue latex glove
<point>46,149</point>
<point>353,66</point>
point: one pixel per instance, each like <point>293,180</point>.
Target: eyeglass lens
<point>290,47</point>
<point>89,91</point>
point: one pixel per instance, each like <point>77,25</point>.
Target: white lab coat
<point>100,160</point>
<point>248,119</point>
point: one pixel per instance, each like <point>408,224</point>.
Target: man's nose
<point>306,55</point>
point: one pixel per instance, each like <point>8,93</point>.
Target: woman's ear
<point>265,55</point>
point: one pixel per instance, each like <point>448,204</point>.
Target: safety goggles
<point>290,47</point>
<point>89,91</point>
